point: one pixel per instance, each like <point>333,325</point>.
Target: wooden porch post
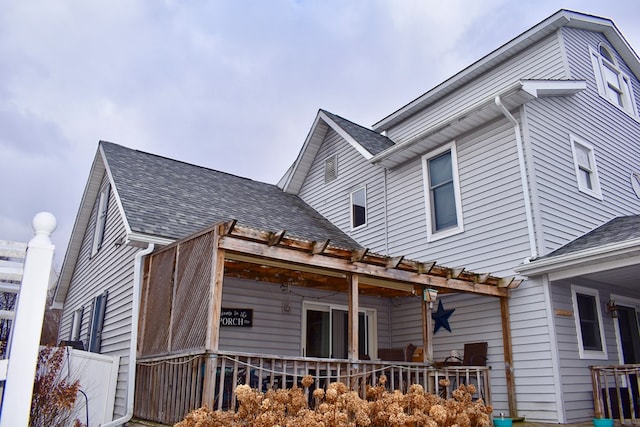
<point>353,353</point>
<point>427,331</point>
<point>508,356</point>
<point>213,320</point>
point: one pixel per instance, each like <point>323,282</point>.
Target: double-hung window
<point>613,84</point>
<point>588,318</point>
<point>584,162</point>
<point>442,192</point>
<point>358,208</point>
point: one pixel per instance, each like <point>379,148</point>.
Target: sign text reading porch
<point>238,317</point>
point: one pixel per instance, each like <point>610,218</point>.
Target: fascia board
<point>91,191</point>
<point>507,50</point>
<point>521,42</point>
<point>545,88</point>
<point>355,144</point>
<point>445,123</point>
<point>304,151</point>
<point>594,256</point>
<point>133,238</point>
<point>115,192</point>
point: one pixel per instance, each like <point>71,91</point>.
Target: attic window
<point>613,84</point>
<point>330,168</point>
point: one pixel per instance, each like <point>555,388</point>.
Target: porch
<point>190,341</point>
<point>174,385</point>
<point>615,392</point>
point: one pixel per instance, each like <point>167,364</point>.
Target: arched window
<point>613,84</point>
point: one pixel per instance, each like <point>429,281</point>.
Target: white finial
<point>44,223</point>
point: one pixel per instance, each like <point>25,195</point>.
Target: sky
<point>233,85</point>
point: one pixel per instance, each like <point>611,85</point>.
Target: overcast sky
<point>230,85</point>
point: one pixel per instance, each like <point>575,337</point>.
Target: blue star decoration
<point>441,316</point>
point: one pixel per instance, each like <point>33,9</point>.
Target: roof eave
<point>511,48</point>
<point>592,256</point>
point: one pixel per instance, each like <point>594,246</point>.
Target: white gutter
<point>523,176</point>
<point>135,314</point>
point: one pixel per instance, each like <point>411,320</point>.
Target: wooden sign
<point>237,317</point>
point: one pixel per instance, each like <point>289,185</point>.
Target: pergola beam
<point>282,256</point>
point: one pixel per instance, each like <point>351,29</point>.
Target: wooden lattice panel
<point>191,301</point>
<point>156,303</point>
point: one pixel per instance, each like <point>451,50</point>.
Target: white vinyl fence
<point>24,271</point>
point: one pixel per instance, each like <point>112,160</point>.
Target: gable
<point>365,141</point>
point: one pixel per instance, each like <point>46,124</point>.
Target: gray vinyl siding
<point>491,195</point>
<point>277,332</point>
<point>541,61</point>
<point>111,268</point>
<point>565,212</point>
<point>332,199</point>
<point>574,371</point>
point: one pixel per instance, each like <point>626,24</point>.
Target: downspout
<point>386,220</point>
<point>135,314</point>
<point>523,177</point>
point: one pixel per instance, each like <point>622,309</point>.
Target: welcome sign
<point>236,317</point>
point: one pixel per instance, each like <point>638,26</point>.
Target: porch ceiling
<point>274,258</point>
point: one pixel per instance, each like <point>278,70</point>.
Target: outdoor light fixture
<point>612,308</point>
<point>430,295</point>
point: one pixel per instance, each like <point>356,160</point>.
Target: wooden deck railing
<point>615,392</point>
<point>168,387</point>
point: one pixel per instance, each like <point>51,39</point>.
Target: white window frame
<point>371,313</point>
<point>592,168</point>
<point>622,87</point>
<point>333,159</point>
<point>362,188</point>
<point>76,325</point>
<point>432,234</point>
<point>588,354</point>
<point>101,220</point>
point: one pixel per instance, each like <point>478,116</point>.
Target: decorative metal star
<point>441,316</point>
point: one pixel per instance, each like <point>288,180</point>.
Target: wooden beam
<point>212,340</point>
<point>425,267</point>
<point>292,259</point>
<point>359,254</point>
<point>319,247</point>
<point>353,317</point>
<point>456,272</point>
<point>508,356</point>
<point>227,227</point>
<point>276,238</point>
<point>482,278</point>
<point>394,262</point>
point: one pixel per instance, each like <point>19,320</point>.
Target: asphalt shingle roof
<point>617,230</point>
<point>169,198</point>
<point>372,141</point>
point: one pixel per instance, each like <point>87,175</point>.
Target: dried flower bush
<point>53,396</point>
<point>340,407</point>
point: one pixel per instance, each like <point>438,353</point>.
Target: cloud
<point>228,85</point>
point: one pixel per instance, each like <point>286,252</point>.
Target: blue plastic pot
<point>603,422</point>
<point>505,422</point>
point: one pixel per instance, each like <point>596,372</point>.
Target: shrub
<point>53,395</point>
<point>338,407</point>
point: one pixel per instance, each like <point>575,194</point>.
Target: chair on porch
<point>475,354</point>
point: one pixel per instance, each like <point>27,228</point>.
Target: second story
<point>526,149</point>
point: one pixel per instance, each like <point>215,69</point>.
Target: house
<point>524,162</point>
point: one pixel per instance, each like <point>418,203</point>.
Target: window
<point>330,168</point>
<point>442,192</point>
<point>101,220</point>
<point>98,311</point>
<point>588,318</point>
<point>76,325</point>
<point>613,84</point>
<point>326,333</point>
<point>358,207</point>
<point>585,166</point>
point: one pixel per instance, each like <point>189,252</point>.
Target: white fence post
<point>27,325</point>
